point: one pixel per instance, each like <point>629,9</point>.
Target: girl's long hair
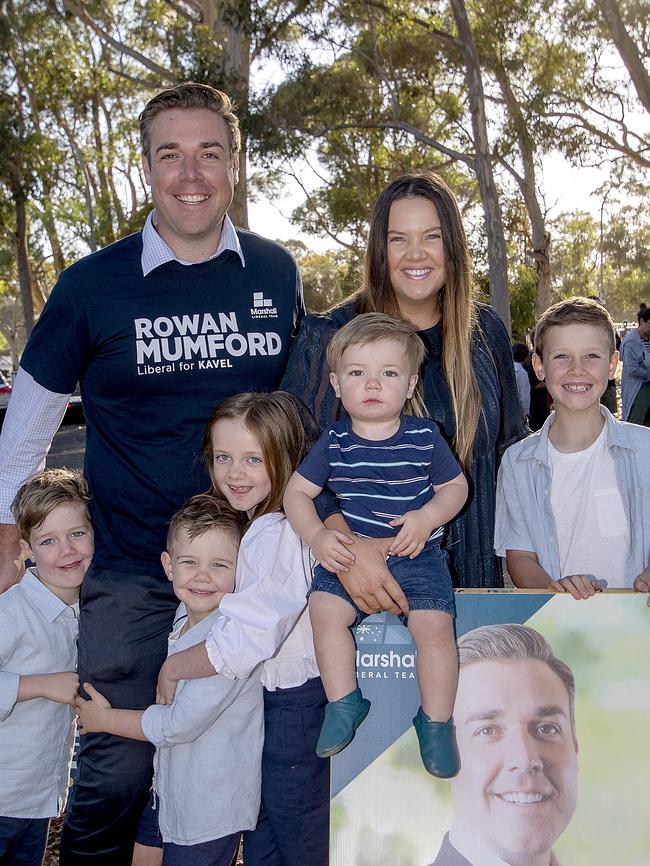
<point>274,420</point>
<point>457,296</point>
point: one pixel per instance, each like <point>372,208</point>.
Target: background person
<point>520,355</point>
<point>417,267</point>
<point>515,721</point>
<point>157,328</point>
<point>635,379</point>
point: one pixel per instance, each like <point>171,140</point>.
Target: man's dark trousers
<point>123,627</point>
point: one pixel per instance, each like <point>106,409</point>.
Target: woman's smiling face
<point>416,259</point>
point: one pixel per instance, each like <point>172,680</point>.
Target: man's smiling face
<point>192,175</point>
<point>517,788</point>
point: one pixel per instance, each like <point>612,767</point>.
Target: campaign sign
<point>552,717</point>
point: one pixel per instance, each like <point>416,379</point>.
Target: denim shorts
<point>425,581</point>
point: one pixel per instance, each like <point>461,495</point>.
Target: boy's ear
<point>334,382</point>
<point>613,364</point>
<point>412,383</point>
<point>166,560</point>
<point>538,366</point>
<point>25,550</point>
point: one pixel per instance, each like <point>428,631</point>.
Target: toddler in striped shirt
<point>397,481</point>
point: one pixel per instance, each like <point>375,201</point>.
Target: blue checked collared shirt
<point>156,252</point>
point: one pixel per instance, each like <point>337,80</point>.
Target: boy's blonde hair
<point>369,328</point>
<point>38,497</point>
<point>274,420</point>
<point>201,513</point>
<point>574,311</point>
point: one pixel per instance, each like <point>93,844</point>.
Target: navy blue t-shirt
<point>153,356</point>
<point>376,481</point>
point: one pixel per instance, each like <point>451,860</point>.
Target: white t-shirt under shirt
<point>592,530</point>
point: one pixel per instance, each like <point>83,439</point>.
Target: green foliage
<point>523,294</point>
<point>327,277</point>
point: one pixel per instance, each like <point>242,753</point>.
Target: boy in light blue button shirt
<point>38,657</point>
<point>207,766</point>
<point>572,511</point>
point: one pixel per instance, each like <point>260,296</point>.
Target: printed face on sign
<point>517,788</point>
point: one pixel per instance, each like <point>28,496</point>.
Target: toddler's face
<point>202,569</point>
<point>374,381</point>
<point>576,365</point>
<point>62,548</point>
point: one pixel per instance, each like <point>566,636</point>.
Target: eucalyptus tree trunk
<point>496,244</point>
<point>22,258</point>
<point>528,186</point>
<point>229,20</point>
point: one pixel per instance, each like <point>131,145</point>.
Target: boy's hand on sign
<point>642,584</point>
<point>578,585</point>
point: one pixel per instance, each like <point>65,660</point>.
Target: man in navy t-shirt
<point>157,328</point>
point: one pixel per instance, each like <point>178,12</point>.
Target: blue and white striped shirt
<point>377,481</point>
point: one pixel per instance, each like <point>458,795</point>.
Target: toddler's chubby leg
<point>437,661</point>
<point>437,670</point>
<point>331,618</point>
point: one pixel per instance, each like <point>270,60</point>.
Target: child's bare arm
<point>527,573</point>
<point>60,687</point>
<point>525,570</point>
<point>328,545</point>
<point>418,525</point>
<point>97,716</point>
<point>189,664</point>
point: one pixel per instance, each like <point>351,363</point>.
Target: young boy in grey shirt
<point>207,767</point>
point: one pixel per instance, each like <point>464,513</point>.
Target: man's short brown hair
<point>190,95</point>
<point>201,513</point>
<point>38,497</point>
<point>574,311</point>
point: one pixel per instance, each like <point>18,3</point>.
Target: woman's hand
<point>367,580</point>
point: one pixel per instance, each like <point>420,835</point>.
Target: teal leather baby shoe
<point>438,747</point>
<point>342,718</point>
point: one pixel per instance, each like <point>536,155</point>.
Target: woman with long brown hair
<point>417,267</point>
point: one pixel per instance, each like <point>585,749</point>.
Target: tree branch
<point>417,134</point>
<point>627,50</point>
<point>83,15</point>
<point>193,19</point>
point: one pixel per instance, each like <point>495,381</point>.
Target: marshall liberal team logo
<point>263,307</point>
